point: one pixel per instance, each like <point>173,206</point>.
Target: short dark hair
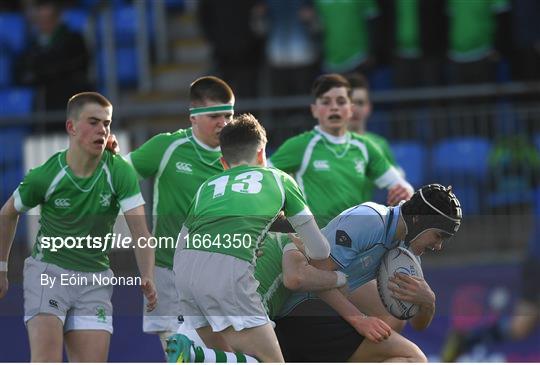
<point>357,81</point>
<point>242,138</point>
<point>209,88</point>
<point>326,82</point>
<point>78,101</point>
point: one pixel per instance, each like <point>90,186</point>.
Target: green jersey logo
<point>105,199</point>
<point>101,314</point>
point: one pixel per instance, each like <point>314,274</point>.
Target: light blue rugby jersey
<point>359,237</point>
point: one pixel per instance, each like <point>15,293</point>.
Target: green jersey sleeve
<point>383,145</point>
<point>31,191</point>
<point>378,165</point>
<point>125,184</point>
<point>288,156</point>
<point>144,159</point>
<point>295,202</point>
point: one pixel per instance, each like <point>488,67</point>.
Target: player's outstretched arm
<point>415,290</point>
<point>8,224</point>
<point>299,275</point>
<point>144,255</point>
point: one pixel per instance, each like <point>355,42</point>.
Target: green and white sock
<point>203,354</point>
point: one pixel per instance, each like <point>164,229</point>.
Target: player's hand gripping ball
<point>397,260</point>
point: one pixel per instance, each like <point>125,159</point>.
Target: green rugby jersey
<point>180,164</point>
<point>232,211</point>
<point>472,27</point>
<point>346,37</point>
<point>269,273</point>
<point>78,207</point>
<point>333,176</point>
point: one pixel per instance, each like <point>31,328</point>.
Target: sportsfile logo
<point>62,203</point>
<point>184,167</point>
<point>321,165</point>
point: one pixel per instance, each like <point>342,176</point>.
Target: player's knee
<point>415,354</point>
<point>420,357</point>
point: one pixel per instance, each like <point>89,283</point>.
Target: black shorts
<point>314,332</point>
<point>530,290</point>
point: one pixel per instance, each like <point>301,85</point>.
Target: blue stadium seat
<point>10,179</point>
<point>463,163</point>
<point>76,19</point>
<point>461,157</point>
<point>11,146</point>
<point>411,157</point>
<point>11,159</point>
<point>126,25</point>
<point>16,101</point>
<point>12,33</point>
<point>5,69</point>
<point>126,66</point>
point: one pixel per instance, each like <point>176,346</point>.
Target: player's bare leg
<point>367,299</point>
<point>260,342</point>
<point>45,334</point>
<point>87,345</point>
<point>394,349</point>
<point>213,340</point>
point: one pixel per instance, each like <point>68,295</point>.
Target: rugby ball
<point>397,260</point>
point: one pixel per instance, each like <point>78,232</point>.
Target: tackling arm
<point>298,274</point>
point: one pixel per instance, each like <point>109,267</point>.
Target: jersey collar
<point>333,139</point>
<point>204,145</point>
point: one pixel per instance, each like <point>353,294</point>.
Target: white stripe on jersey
<point>305,162</point>
<point>362,147</point>
<point>55,183</point>
<point>164,160</point>
<point>132,202</point>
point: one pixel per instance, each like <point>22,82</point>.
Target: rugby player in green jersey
<point>331,164</point>
<point>80,191</point>
<point>180,162</point>
<point>227,221</point>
